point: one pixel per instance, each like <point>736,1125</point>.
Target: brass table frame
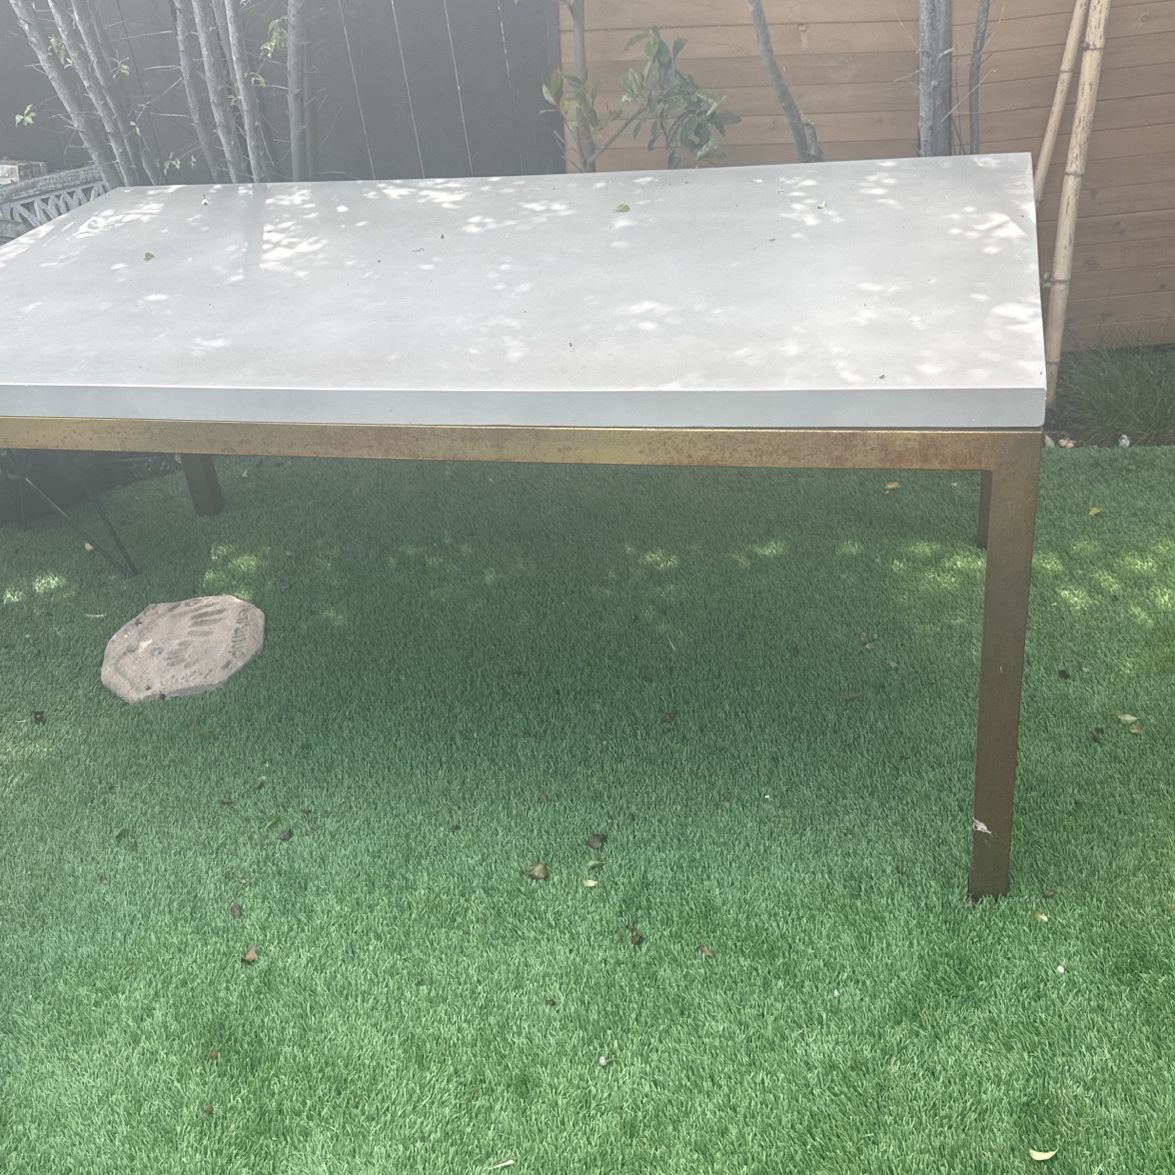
<point>1008,460</point>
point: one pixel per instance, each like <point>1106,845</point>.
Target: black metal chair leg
<point>133,570</point>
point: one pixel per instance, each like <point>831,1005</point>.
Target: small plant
<point>663,102</point>
<point>1112,392</point>
<point>677,112</point>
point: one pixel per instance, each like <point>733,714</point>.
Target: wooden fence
<point>852,66</point>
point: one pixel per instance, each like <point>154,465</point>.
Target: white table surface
<point>882,294</point>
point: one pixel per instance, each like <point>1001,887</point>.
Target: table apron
<point>834,448</point>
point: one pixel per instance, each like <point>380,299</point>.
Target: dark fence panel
<point>402,88</point>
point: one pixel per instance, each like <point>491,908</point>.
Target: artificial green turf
<point>469,668</point>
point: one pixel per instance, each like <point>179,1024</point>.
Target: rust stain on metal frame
<point>848,448</point>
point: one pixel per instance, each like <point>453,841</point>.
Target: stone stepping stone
<point>177,650</point>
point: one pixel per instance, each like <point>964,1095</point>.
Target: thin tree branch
<point>84,68</point>
<point>111,94</point>
<point>147,158</point>
<point>935,53</point>
<point>598,151</point>
<point>218,90</point>
<point>977,46</point>
<point>296,87</point>
<point>808,148</point>
<point>63,85</point>
<point>585,142</point>
<point>183,36</point>
<point>239,58</point>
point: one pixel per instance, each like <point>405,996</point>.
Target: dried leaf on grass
<point>214,1055</point>
<point>1040,1156</point>
<point>539,871</point>
<point>250,956</point>
<point>208,1109</point>
<point>634,935</point>
<point>590,882</point>
<point>595,842</point>
<point>849,697</point>
<point>1040,916</point>
<point>103,879</point>
<point>226,800</point>
<point>1094,511</point>
<point>235,910</point>
<point>503,1163</point>
<point>890,486</point>
<point>705,951</point>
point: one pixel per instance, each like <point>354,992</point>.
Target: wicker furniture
<point>30,203</point>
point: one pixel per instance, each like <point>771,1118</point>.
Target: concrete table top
<point>882,294</point>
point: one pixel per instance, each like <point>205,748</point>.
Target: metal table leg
<point>202,483</point>
<point>1005,616</point>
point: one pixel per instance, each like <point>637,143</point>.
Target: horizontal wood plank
<point>624,14</point>
<point>868,36</point>
<point>852,67</point>
<point>1148,332</point>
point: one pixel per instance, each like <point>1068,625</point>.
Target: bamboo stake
<point>84,67</point>
<point>1061,94</point>
<point>296,88</point>
<point>63,86</point>
<point>183,35</point>
<point>239,59</point>
<point>1087,84</point>
<point>218,91</point>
